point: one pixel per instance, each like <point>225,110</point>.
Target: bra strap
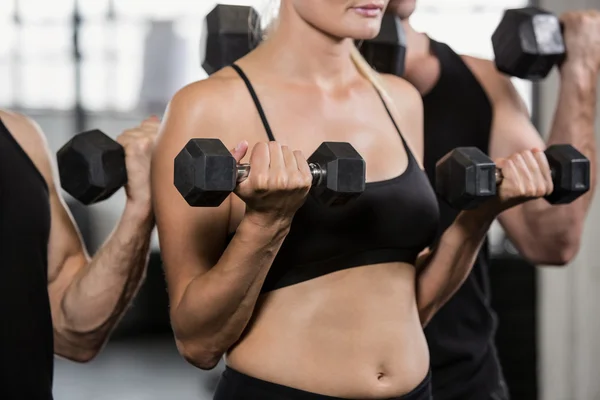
<point>259,108</point>
<point>408,152</point>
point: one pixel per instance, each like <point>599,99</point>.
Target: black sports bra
<point>391,221</point>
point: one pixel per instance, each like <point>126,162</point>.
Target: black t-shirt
<point>26,336</point>
<point>461,335</point>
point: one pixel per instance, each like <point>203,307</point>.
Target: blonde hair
<point>365,69</point>
<point>267,21</point>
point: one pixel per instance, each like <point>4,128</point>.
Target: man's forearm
<point>559,227</point>
<point>101,292</point>
<point>574,119</point>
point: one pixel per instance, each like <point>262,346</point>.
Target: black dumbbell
<point>206,173</point>
<point>528,43</point>
<point>229,35</point>
<point>386,53</point>
<point>466,177</point>
<point>91,166</point>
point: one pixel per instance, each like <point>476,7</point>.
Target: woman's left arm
<point>443,268</point>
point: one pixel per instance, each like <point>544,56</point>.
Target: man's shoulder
<point>483,68</point>
<point>23,128</point>
<point>479,63</point>
<point>28,134</point>
<point>496,84</point>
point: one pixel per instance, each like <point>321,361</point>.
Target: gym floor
<point>135,369</point>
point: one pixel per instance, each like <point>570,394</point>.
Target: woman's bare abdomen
<point>354,333</point>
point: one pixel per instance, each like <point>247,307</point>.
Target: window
<point>39,65</point>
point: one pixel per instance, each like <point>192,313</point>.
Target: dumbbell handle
<point>318,173</point>
<point>500,176</point>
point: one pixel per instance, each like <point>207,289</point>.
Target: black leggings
<point>234,385</point>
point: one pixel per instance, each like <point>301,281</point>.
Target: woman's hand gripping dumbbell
<point>466,177</point>
<point>206,173</point>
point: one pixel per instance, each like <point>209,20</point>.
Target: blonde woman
<point>310,302</point>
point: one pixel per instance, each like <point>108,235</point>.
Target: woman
<point>310,302</point>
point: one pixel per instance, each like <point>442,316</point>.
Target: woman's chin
<point>366,32</point>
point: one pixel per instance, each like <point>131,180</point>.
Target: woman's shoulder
<point>408,110</point>
<point>213,107</point>
<point>402,92</point>
<point>212,96</point>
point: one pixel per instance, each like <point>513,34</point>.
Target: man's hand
<point>582,39</point>
<point>138,144</point>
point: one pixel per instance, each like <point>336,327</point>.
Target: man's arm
<point>89,296</point>
<point>544,234</point>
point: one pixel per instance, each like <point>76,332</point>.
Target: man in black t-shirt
<point>467,102</point>
<point>54,297</point>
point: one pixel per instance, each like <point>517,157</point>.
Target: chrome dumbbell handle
<point>318,173</point>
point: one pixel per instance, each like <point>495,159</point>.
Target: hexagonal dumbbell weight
<point>91,167</point>
<point>386,53</point>
<point>206,173</point>
<point>466,177</point>
<point>229,35</point>
<point>528,43</point>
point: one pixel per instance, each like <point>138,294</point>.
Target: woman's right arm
<point>212,288</point>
